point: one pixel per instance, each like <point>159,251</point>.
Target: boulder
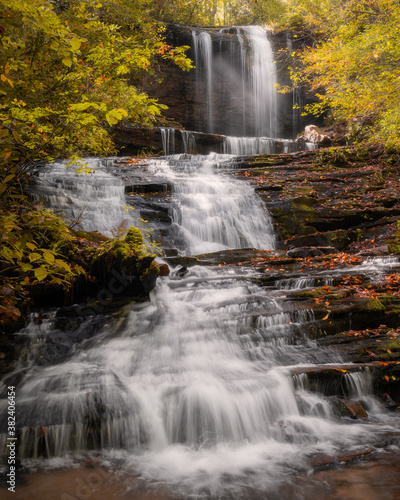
<point>348,408</point>
<point>314,135</point>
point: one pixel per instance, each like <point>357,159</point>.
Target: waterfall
<point>168,140</point>
<point>204,388</point>
<point>212,212</point>
<point>203,59</point>
<point>248,145</point>
<point>241,77</point>
<point>262,81</point>
<point>189,141</point>
<point>92,199</point>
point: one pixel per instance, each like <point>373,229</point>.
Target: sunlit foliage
<point>356,63</point>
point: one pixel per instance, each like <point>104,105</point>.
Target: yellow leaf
<point>75,44</point>
<point>327,315</point>
<point>67,62</point>
<point>16,135</point>
<point>64,265</point>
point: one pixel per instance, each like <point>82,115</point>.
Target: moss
<point>375,305</point>
<point>337,157</point>
<point>393,346</point>
<point>306,294</point>
<point>337,296</point>
<point>134,237</point>
<point>295,217</point>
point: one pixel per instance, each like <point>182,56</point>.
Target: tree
<point>64,70</point>
<point>65,67</point>
<point>356,63</point>
<point>218,12</point>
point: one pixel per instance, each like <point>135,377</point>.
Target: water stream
<point>198,390</point>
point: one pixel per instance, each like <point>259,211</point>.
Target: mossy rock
<point>134,237</point>
<point>376,305</point>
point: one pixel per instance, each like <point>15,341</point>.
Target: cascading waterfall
<point>212,212</point>
<point>204,388</point>
<point>189,141</point>
<point>245,146</point>
<point>168,140</point>
<point>90,197</point>
<point>195,389</point>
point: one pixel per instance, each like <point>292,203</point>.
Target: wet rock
<point>348,408</point>
<point>181,272</point>
<point>305,252</point>
<point>389,403</point>
<point>338,239</point>
<point>148,188</point>
<point>164,269</point>
<point>375,251</point>
<point>328,250</point>
<point>386,382</point>
<point>149,277</point>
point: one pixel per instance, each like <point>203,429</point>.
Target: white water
<point>211,211</point>
<point>168,140</point>
<point>194,389</point>
<point>192,392</point>
<point>244,146</point>
<point>262,81</point>
<point>95,199</point>
<point>203,60</point>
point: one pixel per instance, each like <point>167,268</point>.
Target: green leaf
<point>34,256</point>
<point>41,273</point>
<point>8,178</point>
<point>49,257</point>
<point>16,135</point>
<point>64,265</point>
<point>25,266</point>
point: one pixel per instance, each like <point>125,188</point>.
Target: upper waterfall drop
<point>262,81</point>
<point>203,59</point>
<point>241,77</point>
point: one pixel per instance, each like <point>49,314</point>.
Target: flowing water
<point>199,391</point>
<point>236,81</point>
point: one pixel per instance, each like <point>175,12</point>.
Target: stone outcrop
<point>314,135</point>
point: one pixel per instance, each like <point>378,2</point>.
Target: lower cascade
<point>203,389</point>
